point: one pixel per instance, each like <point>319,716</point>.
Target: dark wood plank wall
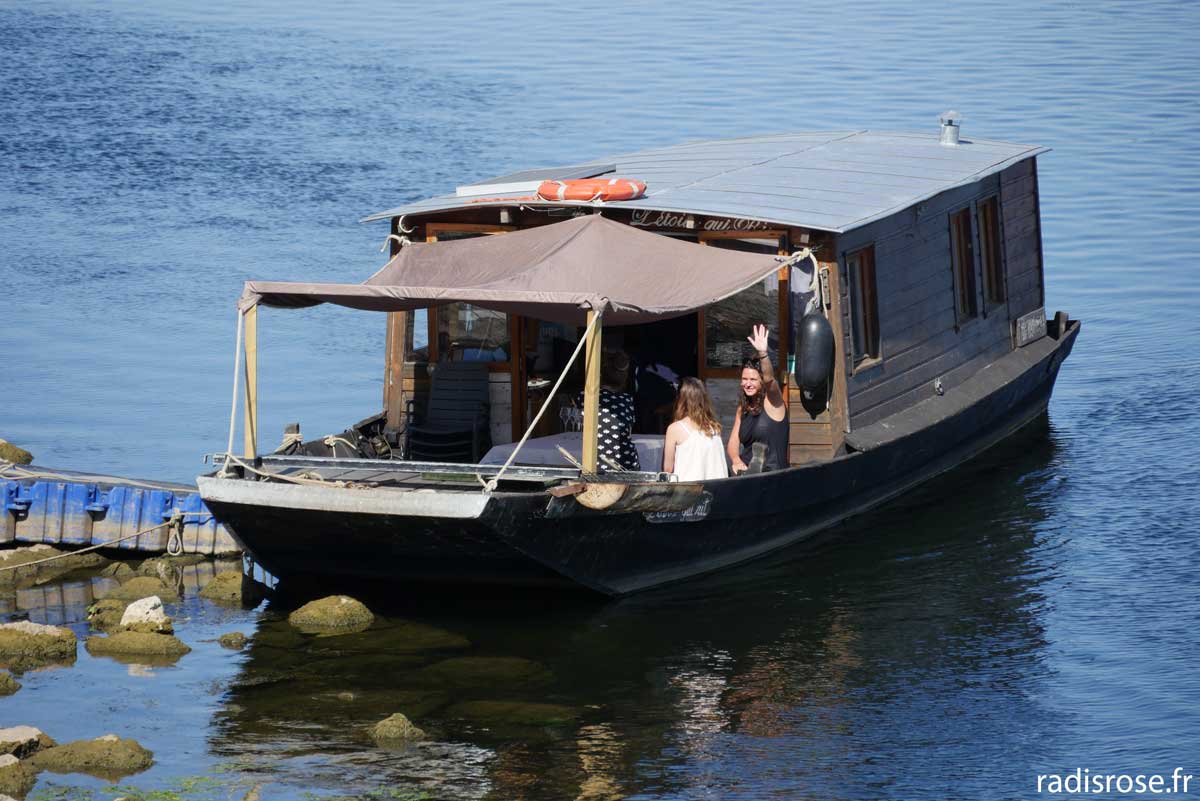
<point>1022,238</point>
<point>921,339</point>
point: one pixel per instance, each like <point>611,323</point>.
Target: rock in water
<point>21,741</point>
<point>485,671</point>
<point>21,572</point>
<point>15,778</point>
<point>119,571</point>
<point>229,587</point>
<point>395,730</point>
<point>234,640</point>
<point>136,643</point>
<point>161,566</point>
<point>26,573</point>
<point>147,615</point>
<point>108,757</point>
<point>25,645</point>
<point>106,615</point>
<point>8,685</point>
<point>143,587</point>
<point>337,614</point>
<point>11,453</point>
<point>515,713</point>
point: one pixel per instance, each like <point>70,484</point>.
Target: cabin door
<point>541,351</point>
<point>660,354</point>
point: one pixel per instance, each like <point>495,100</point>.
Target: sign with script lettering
<point>644,218</point>
<point>1030,327</point>
<point>693,514</point>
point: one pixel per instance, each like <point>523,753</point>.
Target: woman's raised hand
<point>758,339</point>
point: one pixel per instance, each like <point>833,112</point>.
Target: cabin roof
<point>831,181</point>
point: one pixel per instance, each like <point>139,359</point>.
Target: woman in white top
<point>693,449</point>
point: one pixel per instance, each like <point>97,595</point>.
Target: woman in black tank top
<point>762,415</point>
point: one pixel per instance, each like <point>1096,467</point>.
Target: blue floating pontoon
<point>66,507</point>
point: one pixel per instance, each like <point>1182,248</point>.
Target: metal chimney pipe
<point>951,121</point>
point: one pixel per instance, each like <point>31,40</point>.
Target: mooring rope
<point>297,479</point>
<point>330,441</point>
<point>175,520</point>
<point>237,366</point>
<point>401,240</point>
<point>490,485</point>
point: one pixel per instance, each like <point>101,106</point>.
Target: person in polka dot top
<point>617,414</point>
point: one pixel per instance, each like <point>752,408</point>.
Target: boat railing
<point>531,473</point>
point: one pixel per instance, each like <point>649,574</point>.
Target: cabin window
<point>463,331</point>
<point>468,333</point>
<point>418,335</point>
<point>864,303</point>
<point>728,322</point>
<point>962,259</point>
<point>987,217</point>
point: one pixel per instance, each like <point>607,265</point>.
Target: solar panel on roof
<point>528,180</point>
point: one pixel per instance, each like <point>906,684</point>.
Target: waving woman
<point>762,415</point>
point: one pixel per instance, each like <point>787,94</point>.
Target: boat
<point>902,276</point>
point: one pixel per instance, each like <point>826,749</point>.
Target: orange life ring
<point>592,189</point>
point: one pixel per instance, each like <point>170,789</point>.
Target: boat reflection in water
<point>912,619</point>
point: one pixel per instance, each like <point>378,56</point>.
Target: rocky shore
<point>331,653</point>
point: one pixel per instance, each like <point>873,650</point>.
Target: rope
<point>237,365</point>
<point>296,479</point>
<point>176,518</point>
<point>815,284</point>
<point>330,440</point>
<point>175,539</point>
<point>288,441</point>
<point>403,240</point>
<point>490,486</point>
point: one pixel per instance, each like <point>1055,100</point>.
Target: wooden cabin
<point>928,248</point>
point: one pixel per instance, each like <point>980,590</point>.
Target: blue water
<point>1032,614</point>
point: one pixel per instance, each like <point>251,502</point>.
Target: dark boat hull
<point>533,539</point>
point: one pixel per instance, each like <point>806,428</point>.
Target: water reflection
<point>922,617</point>
<point>63,602</point>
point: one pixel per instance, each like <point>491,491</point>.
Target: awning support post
<point>591,395</point>
<point>250,405</point>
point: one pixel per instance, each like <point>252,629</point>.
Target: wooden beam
<point>839,406</point>
<point>517,377</point>
<point>250,398</point>
<point>591,395</point>
<point>395,352</point>
<point>393,371</point>
<point>766,233</point>
<point>434,228</point>
<point>784,329</point>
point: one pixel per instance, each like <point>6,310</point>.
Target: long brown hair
<point>693,402</point>
<point>751,405</point>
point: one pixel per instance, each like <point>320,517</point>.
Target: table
<point>543,451</point>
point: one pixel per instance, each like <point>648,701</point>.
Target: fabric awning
<point>554,272</point>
